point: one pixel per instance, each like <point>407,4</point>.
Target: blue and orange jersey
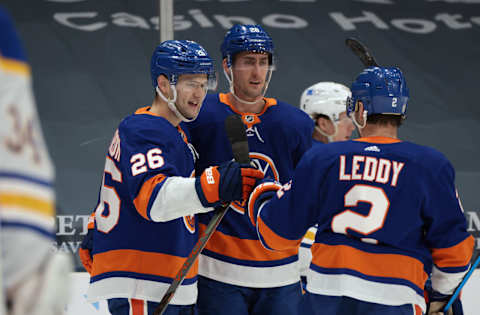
<point>133,255</point>
<point>277,138</point>
<point>27,197</point>
<point>386,210</point>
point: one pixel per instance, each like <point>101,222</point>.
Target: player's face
<point>249,74</point>
<point>191,91</point>
<point>345,128</point>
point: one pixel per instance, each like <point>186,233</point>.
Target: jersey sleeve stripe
<point>33,227</point>
<point>27,203</point>
<point>455,256</point>
<point>242,249</point>
<point>14,66</point>
<point>273,240</point>
<point>370,264</point>
<point>140,262</point>
<point>142,200</point>
<point>30,179</point>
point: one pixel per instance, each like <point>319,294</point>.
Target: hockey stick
<point>238,139</point>
<point>362,52</point>
<point>476,261</point>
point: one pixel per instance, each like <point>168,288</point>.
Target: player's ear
<point>359,113</point>
<point>163,84</point>
<point>323,124</point>
<point>224,65</point>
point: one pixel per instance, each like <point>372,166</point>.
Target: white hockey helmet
<point>325,98</point>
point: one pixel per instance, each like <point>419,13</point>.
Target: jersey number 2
<point>362,224</point>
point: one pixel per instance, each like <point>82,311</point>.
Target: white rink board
<point>79,306</point>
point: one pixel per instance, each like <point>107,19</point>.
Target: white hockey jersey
<point>26,172</point>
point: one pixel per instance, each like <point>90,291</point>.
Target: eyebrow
<point>253,58</point>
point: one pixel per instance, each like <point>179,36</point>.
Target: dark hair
<point>385,120</point>
<point>321,116</point>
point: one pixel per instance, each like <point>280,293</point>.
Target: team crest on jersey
<point>189,222</point>
<point>265,164</point>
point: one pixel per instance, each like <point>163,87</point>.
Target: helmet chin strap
<point>232,90</point>
<point>329,137</point>
<point>352,117</point>
<point>171,103</point>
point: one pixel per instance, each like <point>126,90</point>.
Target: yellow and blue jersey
<point>27,198</point>
<point>387,211</point>
<point>277,138</point>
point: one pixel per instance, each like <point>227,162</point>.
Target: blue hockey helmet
<point>381,90</point>
<point>247,37</point>
<point>173,58</point>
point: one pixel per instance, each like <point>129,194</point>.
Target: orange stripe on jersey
<point>182,133</point>
<point>137,261</point>
<point>371,264</point>
<point>418,310</point>
<point>274,240</point>
<point>455,256</point>
<point>91,221</point>
<point>146,110</point>
<point>268,102</point>
<point>378,140</point>
<point>143,197</point>
<point>137,307</point>
<point>243,249</point>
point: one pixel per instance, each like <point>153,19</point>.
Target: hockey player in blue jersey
<point>33,280</point>
<point>387,212</point>
<point>237,275</point>
<point>144,222</point>
<point>325,103</point>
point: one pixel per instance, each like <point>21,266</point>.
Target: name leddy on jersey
<point>379,170</point>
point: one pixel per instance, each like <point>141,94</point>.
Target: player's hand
<point>264,190</point>
<point>436,308</point>
<point>227,182</point>
<point>85,250</point>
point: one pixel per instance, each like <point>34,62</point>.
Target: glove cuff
<point>435,296</point>
<point>262,193</point>
<point>207,187</point>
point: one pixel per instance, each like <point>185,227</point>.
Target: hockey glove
<point>227,182</point>
<point>263,192</point>
<point>85,250</point>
